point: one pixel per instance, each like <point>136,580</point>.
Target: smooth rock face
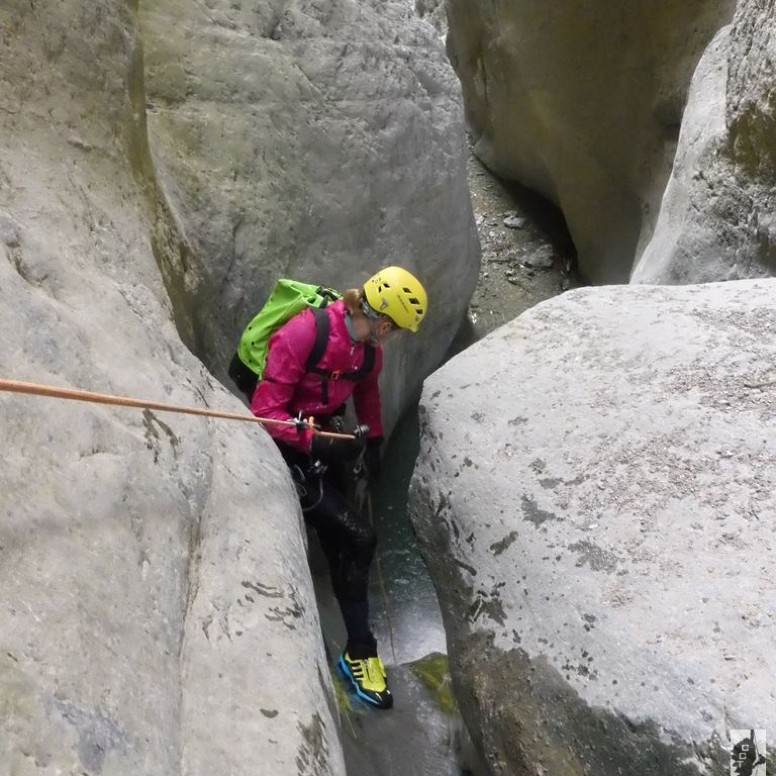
<point>321,141</point>
<point>716,221</point>
<point>581,101</point>
<point>694,230</point>
<point>595,498</point>
<point>157,614</point>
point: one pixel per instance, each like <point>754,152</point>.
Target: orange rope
<point>16,386</point>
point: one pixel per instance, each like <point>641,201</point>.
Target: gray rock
<point>153,567</point>
<point>9,231</point>
<point>690,236</point>
<point>433,11</point>
<point>513,221</point>
<point>321,141</point>
<point>716,220</point>
<point>595,498</point>
<point>586,106</point>
<point>541,258</point>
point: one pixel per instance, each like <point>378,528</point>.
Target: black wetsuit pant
<point>347,539</point>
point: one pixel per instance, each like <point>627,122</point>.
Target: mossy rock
<point>342,696</point>
<point>433,670</point>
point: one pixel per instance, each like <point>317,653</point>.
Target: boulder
<point>319,141</point>
<point>582,102</point>
<point>716,220</point>
<point>595,498</point>
<point>155,588</point>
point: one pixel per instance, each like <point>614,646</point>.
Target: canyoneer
<point>304,377</point>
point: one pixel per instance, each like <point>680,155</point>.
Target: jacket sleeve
<point>366,398</point>
<point>289,348</point>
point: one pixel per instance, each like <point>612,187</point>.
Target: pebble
<point>513,221</point>
<point>542,258</point>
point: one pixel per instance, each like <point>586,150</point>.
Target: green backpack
<point>287,299</point>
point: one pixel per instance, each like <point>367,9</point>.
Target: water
<point>408,594</point>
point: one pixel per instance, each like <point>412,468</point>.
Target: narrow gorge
<point>583,511</point>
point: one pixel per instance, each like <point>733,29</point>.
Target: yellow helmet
<point>396,293</point>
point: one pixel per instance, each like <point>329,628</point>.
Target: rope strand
<point>37,389</point>
<point>380,578</point>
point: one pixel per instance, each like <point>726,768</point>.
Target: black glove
<point>372,458</point>
<point>333,450</point>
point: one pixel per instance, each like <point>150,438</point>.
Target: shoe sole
<point>345,671</point>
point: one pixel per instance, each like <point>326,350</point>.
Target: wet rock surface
<point>422,735</point>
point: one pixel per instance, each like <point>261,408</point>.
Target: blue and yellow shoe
<point>368,679</point>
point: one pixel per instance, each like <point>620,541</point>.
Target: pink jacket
<point>285,387</point>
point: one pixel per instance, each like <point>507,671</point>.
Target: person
<point>363,319</point>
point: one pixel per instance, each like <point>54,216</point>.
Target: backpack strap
<point>319,348</point>
<point>321,338</point>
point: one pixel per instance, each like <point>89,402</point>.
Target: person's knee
<point>364,542</point>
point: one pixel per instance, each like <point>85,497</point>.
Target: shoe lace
<point>369,672</point>
<point>375,669</point>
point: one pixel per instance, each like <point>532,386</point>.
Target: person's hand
<point>334,449</point>
<point>372,458</point>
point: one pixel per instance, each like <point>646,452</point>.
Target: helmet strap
<point>368,310</point>
<point>373,318</point>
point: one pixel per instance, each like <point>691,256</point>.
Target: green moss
<point>434,671</point>
<point>341,695</point>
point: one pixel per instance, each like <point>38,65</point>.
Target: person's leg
<point>348,541</point>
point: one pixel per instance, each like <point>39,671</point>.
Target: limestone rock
<point>716,220</point>
<point>595,498</point>
<point>582,102</point>
<point>692,230</point>
<point>321,141</point>
<point>154,582</point>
